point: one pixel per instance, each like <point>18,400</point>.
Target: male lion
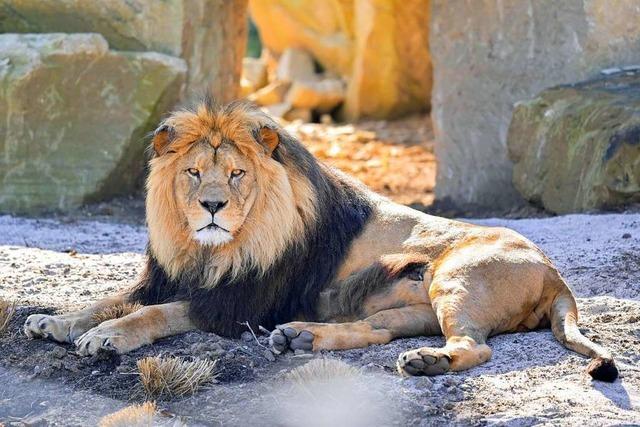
<point>246,225</point>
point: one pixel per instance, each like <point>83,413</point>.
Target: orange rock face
<point>380,48</point>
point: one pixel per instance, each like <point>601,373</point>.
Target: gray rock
<point>246,336</point>
<point>269,355</point>
<point>577,147</point>
<point>210,35</point>
<point>74,116</point>
<point>489,54</point>
<point>59,352</point>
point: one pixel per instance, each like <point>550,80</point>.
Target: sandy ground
<point>531,380</point>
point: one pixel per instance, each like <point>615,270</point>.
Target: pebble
<point>246,336</point>
<point>451,381</point>
<point>626,236</point>
<point>59,352</point>
<point>448,406</point>
<point>200,347</point>
<point>439,387</point>
<point>122,369</point>
<point>423,382</point>
<point>269,355</point>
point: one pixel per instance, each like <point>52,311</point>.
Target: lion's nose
<point>213,206</point>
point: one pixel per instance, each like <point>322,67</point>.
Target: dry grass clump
<point>116,311</point>
<point>7,310</point>
<point>131,416</point>
<point>322,370</point>
<point>171,376</point>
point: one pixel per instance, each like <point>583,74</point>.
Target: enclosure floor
<point>63,264</point>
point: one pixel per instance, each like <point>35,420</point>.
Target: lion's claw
<point>100,338</point>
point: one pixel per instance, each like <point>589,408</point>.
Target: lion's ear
<point>162,138</point>
<point>268,137</point>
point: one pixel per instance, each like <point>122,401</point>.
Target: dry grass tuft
<point>116,312</point>
<point>7,310</point>
<point>131,416</point>
<point>170,376</point>
<point>322,370</point>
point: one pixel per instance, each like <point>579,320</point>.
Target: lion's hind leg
<point>462,325</point>
<point>385,301</point>
<point>68,327</point>
<point>379,328</point>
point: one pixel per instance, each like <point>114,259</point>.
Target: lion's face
<point>219,187</point>
<point>215,188</point>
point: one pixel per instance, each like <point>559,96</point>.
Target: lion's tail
<point>564,318</point>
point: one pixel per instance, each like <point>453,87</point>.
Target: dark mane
<point>346,297</point>
<point>291,286</point>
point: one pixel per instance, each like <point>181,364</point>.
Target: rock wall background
<point>83,82</point>
<point>489,54</point>
<point>379,47</point>
<point>210,35</point>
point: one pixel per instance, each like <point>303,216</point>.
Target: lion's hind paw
<point>423,361</point>
<point>285,338</point>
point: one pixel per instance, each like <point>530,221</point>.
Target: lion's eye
<point>193,172</point>
<point>237,173</point>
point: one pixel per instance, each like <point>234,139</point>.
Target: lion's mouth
<point>212,226</point>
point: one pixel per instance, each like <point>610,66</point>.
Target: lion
<point>245,225</point>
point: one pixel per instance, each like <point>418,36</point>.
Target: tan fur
<point>136,329</point>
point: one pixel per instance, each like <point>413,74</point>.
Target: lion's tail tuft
<point>603,369</point>
<point>564,318</point>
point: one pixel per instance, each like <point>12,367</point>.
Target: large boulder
<point>74,116</point>
<point>489,54</point>
<point>577,147</point>
<point>380,48</point>
<point>209,34</point>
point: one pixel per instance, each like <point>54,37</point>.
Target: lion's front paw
<point>286,337</point>
<point>103,337</point>
<point>423,361</point>
<point>50,327</point>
